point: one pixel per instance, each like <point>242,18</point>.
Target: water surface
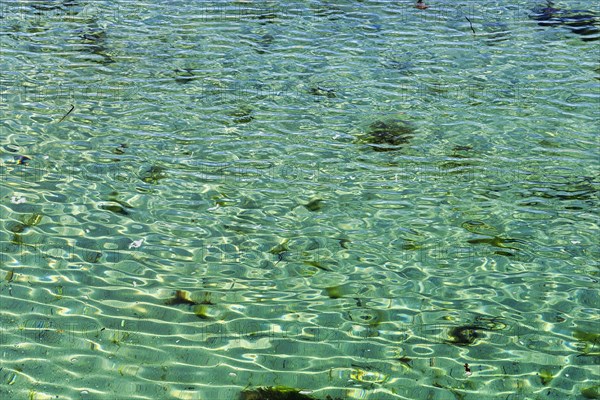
<point>216,149</point>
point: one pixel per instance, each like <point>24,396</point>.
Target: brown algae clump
<point>200,308</point>
<point>181,297</point>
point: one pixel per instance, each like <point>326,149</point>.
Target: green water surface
<point>211,216</point>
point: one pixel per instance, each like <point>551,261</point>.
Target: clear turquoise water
<point>201,130</point>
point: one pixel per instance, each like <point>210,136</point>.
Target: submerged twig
<point>470,23</point>
<point>67,114</point>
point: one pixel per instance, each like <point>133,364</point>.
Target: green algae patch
<point>479,227</point>
<point>241,115</point>
<point>317,264</point>
<point>321,91</point>
<point>592,392</point>
<point>334,292</point>
<point>593,338</point>
<point>280,248</point>
<point>153,174</point>
<point>343,243</point>
<point>114,208</point>
<point>181,297</point>
<point>590,341</point>
<point>314,205</point>
<point>26,222</point>
<point>496,241</point>
<point>546,376</point>
<point>200,308</point>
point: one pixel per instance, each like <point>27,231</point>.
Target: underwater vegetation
<point>22,227</point>
<point>92,257</point>
<point>241,115</point>
<point>466,335</point>
<point>499,243</point>
<point>280,249</point>
<point>115,208</point>
<point>321,91</point>
<point>184,75</point>
<point>590,342</point>
<point>93,34</point>
<point>388,134</point>
<point>22,160</point>
<point>26,222</point>
<point>273,393</point>
<point>317,264</point>
<point>93,41</point>
<point>334,292</point>
<point>115,205</point>
<point>180,297</point>
<point>343,243</point>
<point>583,191</point>
<point>478,227</point>
<point>460,160</point>
<point>277,393</point>
<point>314,205</point>
<point>120,149</point>
<point>43,6</point>
<point>200,308</point>
<point>572,195</point>
<point>580,22</point>
<point>494,32</point>
<point>592,392</point>
<point>492,239</point>
<point>153,174</point>
<point>546,376</point>
<point>263,43</point>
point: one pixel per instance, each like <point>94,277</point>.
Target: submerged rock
<point>388,135</point>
